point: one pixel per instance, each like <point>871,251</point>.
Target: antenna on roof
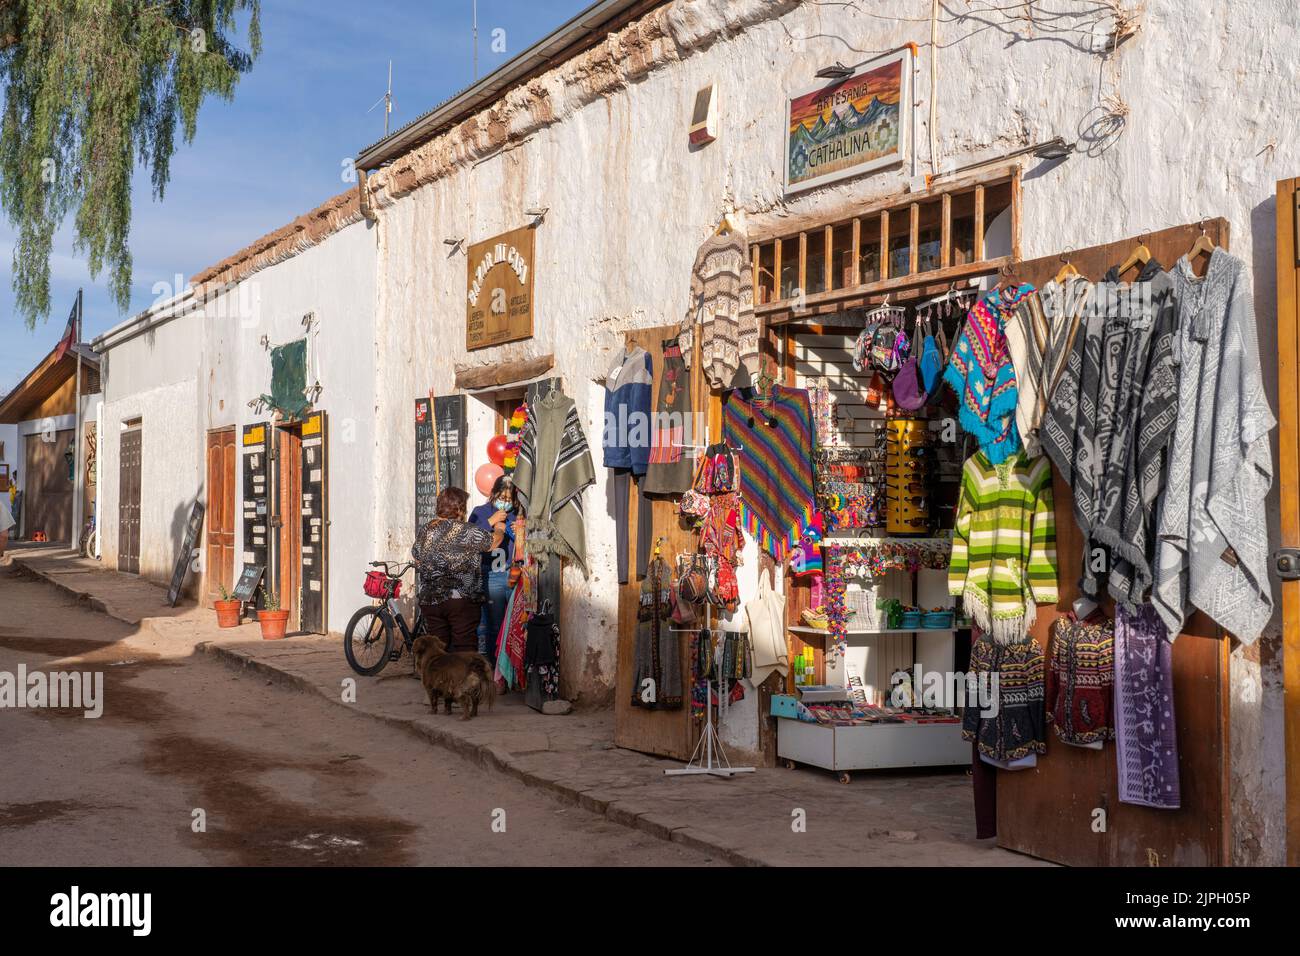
<point>386,99</point>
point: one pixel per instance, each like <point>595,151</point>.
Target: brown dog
<point>461,676</point>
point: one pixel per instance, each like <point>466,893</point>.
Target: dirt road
<point>274,776</point>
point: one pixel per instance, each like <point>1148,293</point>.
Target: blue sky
<point>277,149</point>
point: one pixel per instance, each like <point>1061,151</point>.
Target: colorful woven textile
<point>1016,729</point>
<point>1146,737</point>
<point>1081,682</point>
<point>775,463</point>
<point>983,376</point>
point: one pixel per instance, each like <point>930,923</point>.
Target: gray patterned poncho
<point>1213,539</point>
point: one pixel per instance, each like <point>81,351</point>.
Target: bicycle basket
<point>380,585</point>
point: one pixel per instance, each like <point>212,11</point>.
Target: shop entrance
<point>286,531</point>
<point>47,504</point>
<point>128,503</point>
<point>298,562</point>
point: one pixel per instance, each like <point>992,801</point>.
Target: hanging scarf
<point>983,376</point>
<point>510,654</point>
<point>775,464</point>
<point>1146,737</point>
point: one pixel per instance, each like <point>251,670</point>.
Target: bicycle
<point>368,640</point>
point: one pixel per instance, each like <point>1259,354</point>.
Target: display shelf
<point>852,632</point>
<point>871,746</point>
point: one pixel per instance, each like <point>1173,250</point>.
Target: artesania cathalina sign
<point>499,296</point>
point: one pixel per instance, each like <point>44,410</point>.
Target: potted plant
<point>228,608</point>
<point>272,619</point>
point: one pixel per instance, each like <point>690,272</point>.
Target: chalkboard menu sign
<point>185,557</point>
<point>439,451</point>
<point>426,463</point>
<point>246,586</point>
<point>255,451</point>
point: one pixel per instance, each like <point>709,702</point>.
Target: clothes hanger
<point>1203,244</point>
<point>1067,270</point>
<point>1140,256</point>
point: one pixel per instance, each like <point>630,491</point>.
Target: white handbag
<point>766,615</point>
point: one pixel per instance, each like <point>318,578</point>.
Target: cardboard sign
<point>499,290</point>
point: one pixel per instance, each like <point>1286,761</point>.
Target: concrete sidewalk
<point>882,819</point>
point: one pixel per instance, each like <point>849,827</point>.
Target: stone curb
<point>573,793</point>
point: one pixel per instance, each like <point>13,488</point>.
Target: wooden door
<point>128,502</point>
<point>47,500</point>
<point>313,523</point>
<point>1049,811</point>
<point>219,559</point>
<point>667,733</point>
<point>1288,384</point>
<point>286,526</point>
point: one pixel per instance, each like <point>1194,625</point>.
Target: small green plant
<point>270,598</point>
<point>225,595</point>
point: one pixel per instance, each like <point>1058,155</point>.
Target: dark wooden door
<point>219,566</point>
<point>128,503</point>
<point>314,525</point>
<point>1049,811</point>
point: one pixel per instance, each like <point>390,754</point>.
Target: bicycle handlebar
<point>387,565</point>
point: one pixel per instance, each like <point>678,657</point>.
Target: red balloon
<point>497,449</point>
<point>486,477</point>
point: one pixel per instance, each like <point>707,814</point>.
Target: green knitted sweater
<point>1004,544</point>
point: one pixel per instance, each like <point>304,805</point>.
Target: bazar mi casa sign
<point>499,290</point>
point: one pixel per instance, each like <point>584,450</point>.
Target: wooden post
<point>884,244</point>
<point>857,252</point>
<point>777,292</point>
<point>914,240</point>
<point>979,223</point>
<point>945,234</point>
<point>828,258</point>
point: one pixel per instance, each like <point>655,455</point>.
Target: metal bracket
<point>1286,562</point>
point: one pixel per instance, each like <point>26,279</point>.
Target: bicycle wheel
<point>368,641</point>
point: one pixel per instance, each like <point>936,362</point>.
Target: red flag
<point>69,335</point>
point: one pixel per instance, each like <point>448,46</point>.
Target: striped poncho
<point>1004,544</point>
<point>775,464</point>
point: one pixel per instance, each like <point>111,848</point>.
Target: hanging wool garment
<point>670,469</point>
<point>722,305</point>
<point>1146,737</point>
<point>1016,727</point>
<point>657,672</point>
<point>1213,539</point>
<point>1081,682</point>
<point>1040,333</point>
<point>553,471</point>
<point>1142,319</point>
<point>981,373</point>
<point>774,458</point>
<point>1004,544</point>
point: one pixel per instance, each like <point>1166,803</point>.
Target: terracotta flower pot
<point>273,624</point>
<point>227,612</point>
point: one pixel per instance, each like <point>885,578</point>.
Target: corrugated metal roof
<point>557,44</point>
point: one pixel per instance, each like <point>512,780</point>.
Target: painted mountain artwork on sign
<point>849,126</point>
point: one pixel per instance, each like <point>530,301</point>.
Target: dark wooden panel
<point>1048,811</point>
<point>667,733</point>
<point>255,450</point>
<point>47,497</point>
<point>314,518</point>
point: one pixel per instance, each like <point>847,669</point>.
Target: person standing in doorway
<point>448,553</point>
<point>15,503</point>
<point>496,563</point>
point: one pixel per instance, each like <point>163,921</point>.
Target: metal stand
<point>709,748</point>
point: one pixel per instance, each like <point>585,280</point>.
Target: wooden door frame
<point>1288,378</point>
<point>135,426</point>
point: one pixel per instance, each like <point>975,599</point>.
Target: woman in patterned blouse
<point>448,553</point>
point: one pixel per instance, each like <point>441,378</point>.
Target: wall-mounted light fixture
<point>1056,148</point>
<point>454,243</point>
<point>836,71</point>
<point>537,214</point>
<point>308,320</point>
<point>265,342</point>
<point>312,392</point>
<point>1050,150</point>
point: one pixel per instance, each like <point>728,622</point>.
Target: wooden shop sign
<point>499,290</point>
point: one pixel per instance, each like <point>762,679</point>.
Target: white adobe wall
<point>1208,91</point>
<point>153,377</point>
<point>335,280</point>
